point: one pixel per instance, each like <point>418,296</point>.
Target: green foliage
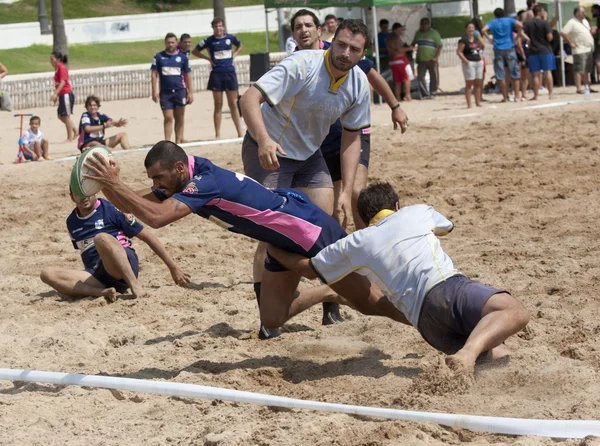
<point>455,26</point>
<point>111,54</point>
<point>27,10</point>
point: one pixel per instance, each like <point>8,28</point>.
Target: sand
<point>522,188</point>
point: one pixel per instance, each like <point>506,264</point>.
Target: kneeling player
<point>100,231</point>
<point>417,283</point>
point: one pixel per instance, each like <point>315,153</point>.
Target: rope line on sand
<point>498,425</point>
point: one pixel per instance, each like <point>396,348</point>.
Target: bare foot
<point>533,98</point>
<point>407,99</point>
<point>461,365</point>
<point>40,159</point>
<point>110,294</point>
<point>139,292</point>
<point>48,158</point>
<point>550,96</point>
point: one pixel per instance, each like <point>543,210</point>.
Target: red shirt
<point>62,74</point>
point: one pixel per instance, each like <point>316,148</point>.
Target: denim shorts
<point>506,58</point>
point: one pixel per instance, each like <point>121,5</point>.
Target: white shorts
<point>473,70</point>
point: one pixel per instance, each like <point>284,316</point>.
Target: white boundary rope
<point>508,426</point>
<point>147,148</point>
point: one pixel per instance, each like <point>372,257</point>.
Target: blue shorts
<point>333,160</point>
<point>506,58</point>
<point>222,81</point>
<point>27,156</point>
<point>451,310</point>
<point>541,62</point>
<point>100,274</point>
<point>65,104</point>
<point>331,231</point>
<point>170,99</point>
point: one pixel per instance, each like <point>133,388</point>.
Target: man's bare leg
<point>502,316</point>
<point>115,261</point>
<point>232,97</point>
<point>218,101</point>
<point>168,124</point>
<point>549,83</point>
<point>179,115</point>
<point>407,97</point>
<point>517,89</point>
<point>578,85</point>
<point>76,283</point>
<point>360,182</point>
<point>537,77</point>
<point>504,90</point>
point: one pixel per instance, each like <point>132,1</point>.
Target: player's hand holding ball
<point>267,154</point>
<point>105,172</point>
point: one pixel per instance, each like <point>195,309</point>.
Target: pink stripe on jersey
<point>191,162</point>
<point>299,231</point>
<point>123,240</point>
<point>97,204</point>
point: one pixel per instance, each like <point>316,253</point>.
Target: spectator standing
<point>578,34</point>
<point>401,68</point>
<point>596,32</point>
<point>172,73</point>
<point>540,58</point>
<point>429,49</point>
<point>469,51</point>
<point>382,36</point>
<point>329,26</point>
<point>504,51</point>
<point>222,77</point>
<point>185,43</point>
<point>63,94</point>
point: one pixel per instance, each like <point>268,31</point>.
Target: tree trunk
<point>475,8</point>
<point>219,9</point>
<point>509,7</point>
<point>58,28</point>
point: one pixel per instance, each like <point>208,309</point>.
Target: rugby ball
<point>84,187</point>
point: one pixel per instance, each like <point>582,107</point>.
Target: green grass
<point>27,10</point>
<point>455,26</point>
<point>110,54</point>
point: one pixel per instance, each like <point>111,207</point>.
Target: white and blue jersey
<point>171,69</point>
<point>333,141</point>
<point>282,217</point>
<point>221,52</point>
<point>87,119</point>
<point>104,218</point>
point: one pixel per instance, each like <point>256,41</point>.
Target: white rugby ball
<point>84,187</point>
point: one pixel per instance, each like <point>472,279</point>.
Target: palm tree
<point>58,28</point>
<point>219,8</point>
<point>509,7</point>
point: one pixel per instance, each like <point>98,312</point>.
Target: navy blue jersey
<point>88,119</point>
<point>221,51</point>
<point>104,218</point>
<point>171,69</point>
<point>333,141</point>
<point>282,217</point>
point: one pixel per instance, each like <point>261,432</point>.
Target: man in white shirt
<point>416,282</point>
<point>577,32</point>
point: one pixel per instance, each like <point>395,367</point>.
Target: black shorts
<point>65,104</point>
<point>451,310</point>
<point>222,82</point>
<point>102,275</point>
<point>170,99</point>
<point>334,162</point>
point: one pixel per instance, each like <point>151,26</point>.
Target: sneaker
<point>331,313</point>
<point>268,333</point>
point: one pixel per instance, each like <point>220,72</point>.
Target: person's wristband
<point>395,107</point>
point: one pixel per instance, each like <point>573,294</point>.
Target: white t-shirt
<point>303,100</point>
<point>29,138</point>
<point>400,254</point>
<point>579,33</point>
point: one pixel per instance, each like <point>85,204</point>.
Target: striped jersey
<point>171,69</point>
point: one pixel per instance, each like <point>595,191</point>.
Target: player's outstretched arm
<point>180,277</point>
<point>381,86</point>
<point>350,156</point>
<point>155,215</point>
<point>294,262</point>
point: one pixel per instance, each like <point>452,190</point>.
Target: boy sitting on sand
<point>101,232</point>
<point>35,145</point>
<point>417,283</point>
